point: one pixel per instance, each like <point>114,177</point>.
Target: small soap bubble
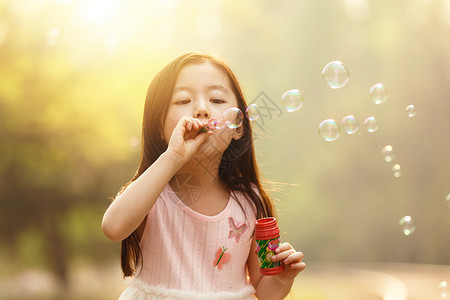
<point>388,153</point>
<point>410,110</point>
<point>350,124</point>
<point>329,130</point>
<point>335,74</point>
<point>252,112</point>
<point>232,118</point>
<point>443,289</point>
<point>448,199</point>
<point>378,93</point>
<point>292,100</point>
<point>371,124</point>
<point>396,170</point>
<point>407,225</point>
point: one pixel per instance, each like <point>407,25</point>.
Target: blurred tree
<point>56,153</point>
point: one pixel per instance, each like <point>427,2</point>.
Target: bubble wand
<point>210,125</point>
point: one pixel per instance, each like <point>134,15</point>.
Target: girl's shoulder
<point>246,199</point>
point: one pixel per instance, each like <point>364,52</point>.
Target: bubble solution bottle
<point>267,240</point>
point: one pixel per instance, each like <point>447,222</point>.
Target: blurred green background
<point>73,79</point>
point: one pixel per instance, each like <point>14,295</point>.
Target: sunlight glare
<point>357,10</point>
<point>99,11</point>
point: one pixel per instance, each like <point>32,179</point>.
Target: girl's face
<point>201,91</point>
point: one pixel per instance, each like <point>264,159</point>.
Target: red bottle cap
<point>266,228</point>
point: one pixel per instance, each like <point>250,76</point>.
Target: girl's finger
<point>283,247</point>
<point>296,257</point>
<point>283,255</point>
<point>189,125</point>
<point>298,266</point>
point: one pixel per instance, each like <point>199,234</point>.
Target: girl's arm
<point>129,208</point>
<point>278,286</point>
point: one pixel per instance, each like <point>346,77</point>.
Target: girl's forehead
<point>202,74</point>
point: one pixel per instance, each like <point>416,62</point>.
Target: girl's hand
<point>186,138</point>
<point>292,262</point>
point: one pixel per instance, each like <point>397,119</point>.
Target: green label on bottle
<point>265,250</point>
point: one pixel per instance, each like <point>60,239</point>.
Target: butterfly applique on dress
<point>222,257</point>
<point>236,230</point>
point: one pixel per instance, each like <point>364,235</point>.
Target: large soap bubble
<point>231,118</point>
<point>329,130</point>
<point>335,74</point>
<point>292,100</point>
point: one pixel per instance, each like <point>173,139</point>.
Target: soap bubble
<point>407,225</point>
<point>371,124</point>
<point>443,289</point>
<point>232,118</point>
<point>252,112</point>
<point>387,152</point>
<point>329,130</point>
<point>335,74</point>
<point>448,199</point>
<point>350,124</point>
<point>396,169</point>
<point>410,110</point>
<point>378,93</point>
<point>292,100</point>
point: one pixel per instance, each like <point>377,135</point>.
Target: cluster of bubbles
<point>330,129</point>
<point>388,154</point>
<point>336,75</point>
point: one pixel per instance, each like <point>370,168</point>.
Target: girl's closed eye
<point>218,101</point>
<point>183,101</point>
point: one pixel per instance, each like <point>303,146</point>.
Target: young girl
<point>186,219</point>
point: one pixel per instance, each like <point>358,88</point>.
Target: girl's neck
<point>202,190</point>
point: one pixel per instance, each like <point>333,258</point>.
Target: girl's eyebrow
<point>218,87</point>
<point>209,88</point>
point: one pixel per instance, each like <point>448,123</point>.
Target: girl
<point>186,219</point>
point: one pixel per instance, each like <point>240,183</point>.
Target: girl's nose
<point>202,115</point>
<point>201,111</point>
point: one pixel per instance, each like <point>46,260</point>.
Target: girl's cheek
<point>224,136</point>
